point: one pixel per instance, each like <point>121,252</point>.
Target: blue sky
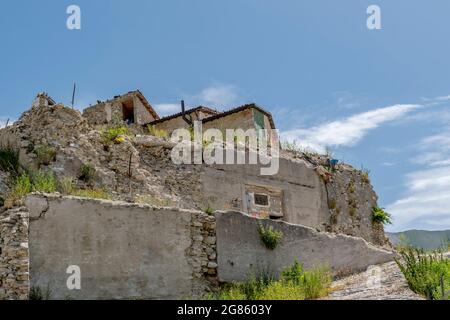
<point>379,98</point>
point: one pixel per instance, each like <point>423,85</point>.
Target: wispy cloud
<point>165,109</point>
<point>218,96</point>
<point>426,195</point>
<point>348,131</point>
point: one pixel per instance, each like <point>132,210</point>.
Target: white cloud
<point>217,96</point>
<point>165,109</point>
<point>348,131</point>
<point>427,194</point>
<point>427,191</point>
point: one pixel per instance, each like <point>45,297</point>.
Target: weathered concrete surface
<point>124,250</point>
<point>240,250</point>
<point>304,194</point>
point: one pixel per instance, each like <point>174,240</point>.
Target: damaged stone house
<point>132,108</point>
<point>306,198</point>
<point>296,194</point>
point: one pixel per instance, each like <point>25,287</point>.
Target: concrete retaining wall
<point>240,250</point>
<point>123,250</point>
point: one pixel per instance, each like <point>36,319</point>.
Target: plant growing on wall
<point>269,236</point>
<point>45,154</point>
<point>9,160</point>
<point>381,216</point>
<point>87,173</point>
<point>209,211</point>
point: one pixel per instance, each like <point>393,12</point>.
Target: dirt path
<point>382,282</point>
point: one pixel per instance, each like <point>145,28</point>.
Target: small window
<point>261,199</point>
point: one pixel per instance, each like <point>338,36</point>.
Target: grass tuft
<point>9,160</point>
<point>295,283</point>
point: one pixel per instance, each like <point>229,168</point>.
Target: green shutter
<point>258,117</point>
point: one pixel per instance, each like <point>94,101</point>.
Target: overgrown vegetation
<point>209,211</point>
<point>295,283</point>
<point>381,216</point>
<point>269,237</point>
<point>152,200</point>
<point>38,293</point>
<point>87,173</point>
<point>9,160</point>
<point>114,133</point>
<point>365,175</point>
<point>427,274</point>
<point>152,130</point>
<point>92,193</point>
<point>66,185</point>
<point>38,181</point>
<point>43,181</point>
<point>45,154</point>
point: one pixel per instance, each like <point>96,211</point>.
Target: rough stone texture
<point>240,250</point>
<point>14,255</point>
<point>124,250</point>
<point>382,282</point>
<point>351,199</point>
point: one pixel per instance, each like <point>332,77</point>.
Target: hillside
<point>421,238</point>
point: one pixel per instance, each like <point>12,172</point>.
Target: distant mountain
<point>421,238</point>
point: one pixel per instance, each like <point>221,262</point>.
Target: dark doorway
<point>128,111</point>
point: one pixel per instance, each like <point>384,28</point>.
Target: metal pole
<point>73,94</point>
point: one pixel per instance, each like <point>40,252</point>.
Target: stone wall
<point>240,250</point>
<point>123,250</point>
<point>14,263</point>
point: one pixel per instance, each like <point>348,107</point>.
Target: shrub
<point>280,290</point>
<point>294,284</point>
<point>43,181</point>
<point>37,293</point>
<point>152,130</point>
<point>209,211</point>
<point>87,173</point>
<point>293,273</point>
<point>9,159</point>
<point>66,185</point>
<point>111,134</point>
<point>381,216</point>
<point>45,154</point>
<point>426,274</point>
<point>365,175</point>
<point>20,187</point>
<point>314,283</point>
<point>228,292</point>
<point>269,236</point>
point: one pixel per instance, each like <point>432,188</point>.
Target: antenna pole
<point>73,94</point>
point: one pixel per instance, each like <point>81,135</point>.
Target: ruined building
<point>324,211</point>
